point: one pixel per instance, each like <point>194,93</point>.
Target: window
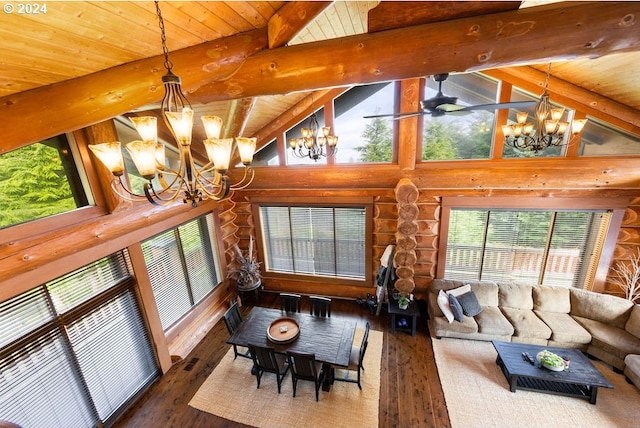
<point>74,351</point>
<point>39,180</point>
<point>296,132</point>
<point>369,140</point>
<point>467,136</point>
<point>182,267</point>
<point>315,240</point>
<point>535,246</point>
<point>600,139</point>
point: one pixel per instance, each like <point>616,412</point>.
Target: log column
<point>405,257</point>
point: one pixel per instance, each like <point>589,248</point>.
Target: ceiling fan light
<point>143,154</point>
<point>212,126</point>
<point>110,154</point>
<point>147,127</point>
<point>247,148</point>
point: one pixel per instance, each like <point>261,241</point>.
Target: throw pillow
<point>443,303</point>
<point>460,290</point>
<point>455,308</point>
<point>469,303</point>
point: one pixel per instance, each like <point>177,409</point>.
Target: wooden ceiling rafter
<point>241,65</point>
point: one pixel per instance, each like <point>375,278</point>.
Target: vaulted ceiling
<point>78,63</point>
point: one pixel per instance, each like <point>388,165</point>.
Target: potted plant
<point>247,271</point>
<point>403,302</point>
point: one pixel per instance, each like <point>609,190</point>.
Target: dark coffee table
<point>580,380</point>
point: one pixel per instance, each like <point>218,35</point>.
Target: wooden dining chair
<point>320,306</point>
<point>233,319</point>
<point>356,359</point>
<point>305,367</point>
<point>265,359</point>
<point>290,302</point>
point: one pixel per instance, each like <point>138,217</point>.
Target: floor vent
<point>190,364</point>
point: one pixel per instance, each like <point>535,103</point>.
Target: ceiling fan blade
<point>497,106</point>
<point>396,115</point>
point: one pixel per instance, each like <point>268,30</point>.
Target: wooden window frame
<point>617,205</point>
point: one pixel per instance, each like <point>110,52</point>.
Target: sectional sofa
<point>604,326</point>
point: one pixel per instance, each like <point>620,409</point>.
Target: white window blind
<point>327,241</point>
<point>534,246</point>
<point>182,268</point>
<point>74,351</point>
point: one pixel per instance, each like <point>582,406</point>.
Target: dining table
<point>328,338</point>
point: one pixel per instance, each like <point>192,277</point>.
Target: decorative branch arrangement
<point>247,273</point>
<point>627,277</point>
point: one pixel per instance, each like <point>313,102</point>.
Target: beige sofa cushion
<point>526,324</point>
<point>613,340</point>
<point>486,293</point>
<point>633,323</point>
<point>512,295</point>
<point>552,299</point>
<point>604,308</point>
<point>491,321</point>
<point>564,329</point>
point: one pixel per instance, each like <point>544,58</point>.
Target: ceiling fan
<point>442,104</point>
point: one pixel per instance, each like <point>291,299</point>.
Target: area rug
<point>477,394</point>
<point>230,392</point>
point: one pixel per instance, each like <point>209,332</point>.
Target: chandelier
<point>311,144</point>
<point>549,129</point>
<point>164,184</point>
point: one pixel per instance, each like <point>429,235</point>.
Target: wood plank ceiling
<point>73,39</point>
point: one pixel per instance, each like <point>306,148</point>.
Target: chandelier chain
<point>165,51</point>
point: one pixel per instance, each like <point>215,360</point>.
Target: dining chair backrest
<point>320,306</point>
<point>232,318</point>
<point>305,367</point>
<point>265,359</point>
<point>290,302</point>
<point>364,344</point>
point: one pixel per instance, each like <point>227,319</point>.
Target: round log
<point>407,228</point>
<point>406,191</point>
<point>404,272</point>
<point>405,242</point>
<point>408,211</point>
<point>405,258</point>
<point>405,286</point>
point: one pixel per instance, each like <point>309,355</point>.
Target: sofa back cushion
<point>514,295</point>
<point>486,292</point>
<point>552,299</point>
<point>605,308</point>
<point>633,323</point>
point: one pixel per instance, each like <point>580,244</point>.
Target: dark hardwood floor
<point>410,391</point>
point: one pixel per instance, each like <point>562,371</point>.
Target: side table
<point>411,314</point>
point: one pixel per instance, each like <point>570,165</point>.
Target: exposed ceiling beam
<point>223,69</point>
<point>559,31</point>
<point>282,27</point>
